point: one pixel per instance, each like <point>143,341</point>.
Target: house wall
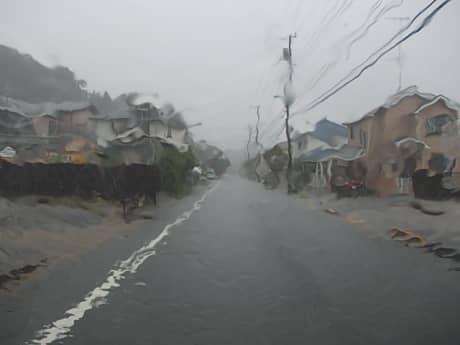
<point>355,129</point>
<point>120,125</point>
<point>41,126</point>
<point>390,125</point>
<point>447,143</point>
<point>339,141</point>
<point>45,126</point>
<point>75,122</point>
<point>382,130</point>
<point>103,131</point>
<point>159,129</point>
<point>383,162</point>
<point>15,124</point>
<point>307,143</point>
<point>299,145</point>
<point>399,121</point>
<point>178,135</point>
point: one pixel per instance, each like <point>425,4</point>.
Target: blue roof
<point>326,131</point>
<point>346,153</point>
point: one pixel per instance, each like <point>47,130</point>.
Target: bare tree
<point>257,124</point>
<point>249,141</point>
<point>258,156</point>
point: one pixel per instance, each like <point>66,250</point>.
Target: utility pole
<point>288,101</point>
<point>291,66</point>
<point>287,104</point>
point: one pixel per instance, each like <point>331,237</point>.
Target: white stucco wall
<point>104,132</point>
<point>178,135</point>
<point>159,129</point>
<point>309,143</point>
<point>41,126</point>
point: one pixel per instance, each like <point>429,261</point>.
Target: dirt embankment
<point>38,231</point>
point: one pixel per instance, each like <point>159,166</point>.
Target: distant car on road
<point>211,174</point>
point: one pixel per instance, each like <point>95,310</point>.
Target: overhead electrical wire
<point>402,30</point>
<point>328,18</point>
<point>278,116</point>
<point>374,59</point>
<point>344,41</point>
<point>367,28</point>
<point>332,13</point>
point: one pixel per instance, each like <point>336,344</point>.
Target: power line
<point>367,28</point>
<point>276,119</point>
<point>327,67</point>
<point>343,41</point>
<point>334,90</point>
<point>386,44</point>
<point>326,20</point>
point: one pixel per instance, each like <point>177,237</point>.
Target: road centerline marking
<point>61,328</point>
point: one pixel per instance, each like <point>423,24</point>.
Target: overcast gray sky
<point>217,58</point>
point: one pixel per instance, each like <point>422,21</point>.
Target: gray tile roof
<point>40,109</point>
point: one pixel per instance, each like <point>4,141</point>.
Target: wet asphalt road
<point>256,267</point>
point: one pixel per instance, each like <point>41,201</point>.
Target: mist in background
<point>216,59</point>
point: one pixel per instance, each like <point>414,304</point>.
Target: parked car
<point>346,187</point>
<point>211,174</point>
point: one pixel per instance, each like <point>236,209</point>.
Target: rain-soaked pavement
<point>250,266</point>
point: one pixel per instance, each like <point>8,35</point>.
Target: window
<point>352,134</point>
<point>438,124</point>
<point>169,132</point>
<point>52,127</point>
<point>363,138</point>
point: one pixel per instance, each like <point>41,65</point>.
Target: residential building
<point>73,118</point>
<point>319,151</point>
<point>45,119</point>
<point>405,135</point>
<point>327,134</point>
<point>139,119</point>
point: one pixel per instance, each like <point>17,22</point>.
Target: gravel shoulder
<point>39,232</point>
<point>429,225</point>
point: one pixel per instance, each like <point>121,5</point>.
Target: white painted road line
<point>61,328</point>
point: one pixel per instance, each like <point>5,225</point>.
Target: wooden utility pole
<point>291,68</point>
<point>287,105</point>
